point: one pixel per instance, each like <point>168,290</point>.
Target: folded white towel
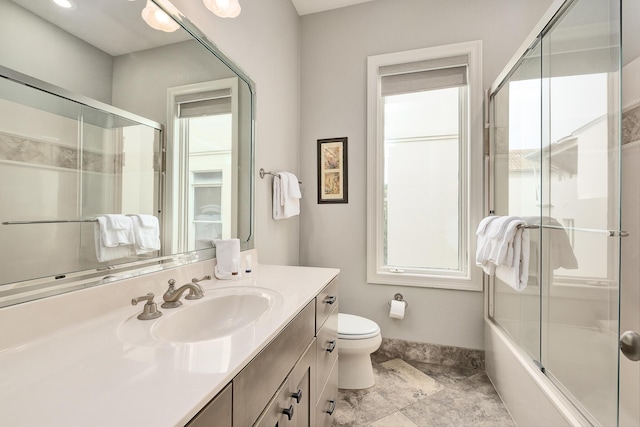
<point>483,240</point>
<point>286,196</point>
<point>516,275</point>
<point>146,231</point>
<point>503,249</point>
<point>227,257</point>
<point>502,245</point>
<point>116,230</point>
<point>113,237</point>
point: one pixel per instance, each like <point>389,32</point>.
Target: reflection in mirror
<point>102,114</point>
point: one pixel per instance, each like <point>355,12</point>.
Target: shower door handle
<point>630,345</point>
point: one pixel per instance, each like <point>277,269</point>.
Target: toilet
<point>358,337</point>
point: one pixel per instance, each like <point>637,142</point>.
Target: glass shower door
<point>581,206</point>
<point>515,141</point>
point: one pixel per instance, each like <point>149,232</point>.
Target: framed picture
<point>332,171</point>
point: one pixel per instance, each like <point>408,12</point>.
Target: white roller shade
<point>208,103</point>
<point>421,76</point>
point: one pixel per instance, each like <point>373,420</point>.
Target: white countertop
<point>93,374</point>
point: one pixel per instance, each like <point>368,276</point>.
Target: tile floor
<point>417,394</point>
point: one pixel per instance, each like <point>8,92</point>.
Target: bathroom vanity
<point>85,359</point>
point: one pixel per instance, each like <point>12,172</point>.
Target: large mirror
<point>106,121</point>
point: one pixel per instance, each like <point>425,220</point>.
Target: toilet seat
<point>352,327</point>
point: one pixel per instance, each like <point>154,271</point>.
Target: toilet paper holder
<point>399,297</point>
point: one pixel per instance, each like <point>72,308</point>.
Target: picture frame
<point>333,183</point>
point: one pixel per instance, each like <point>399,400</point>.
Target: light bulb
<point>157,19</point>
<point>223,8</point>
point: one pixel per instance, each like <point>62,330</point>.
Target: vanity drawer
<point>327,348</point>
<point>254,386</point>
<point>325,410</point>
<point>326,301</point>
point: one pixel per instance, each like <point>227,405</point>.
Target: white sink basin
<point>221,313</point>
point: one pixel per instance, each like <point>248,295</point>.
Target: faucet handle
<point>171,282</point>
<point>196,280</point>
<point>150,309</point>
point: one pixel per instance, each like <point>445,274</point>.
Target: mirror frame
<point>37,288</point>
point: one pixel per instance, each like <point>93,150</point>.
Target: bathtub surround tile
<point>432,353</point>
<point>411,393</point>
<point>631,125</point>
<point>36,153</point>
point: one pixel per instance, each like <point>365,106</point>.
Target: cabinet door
<point>328,399</point>
<point>279,411</point>
<point>302,388</point>
<point>217,413</point>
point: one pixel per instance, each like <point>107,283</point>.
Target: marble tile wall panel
<point>26,150</point>
<point>432,353</point>
<point>631,125</point>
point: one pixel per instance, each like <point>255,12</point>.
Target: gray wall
<point>264,42</point>
<point>56,56</point>
<point>334,48</point>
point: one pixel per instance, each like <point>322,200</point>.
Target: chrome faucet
<point>172,296</point>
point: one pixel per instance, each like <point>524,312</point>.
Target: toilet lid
<point>352,327</point>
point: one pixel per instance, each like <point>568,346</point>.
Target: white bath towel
<point>516,275</point>
<point>227,258</point>
<point>483,239</point>
<point>113,236</point>
<point>502,252</point>
<point>146,231</point>
<point>286,196</point>
<point>503,249</point>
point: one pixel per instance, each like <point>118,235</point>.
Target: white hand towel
<point>116,230</point>
<point>227,257</point>
<point>146,231</point>
<point>109,250</point>
<point>286,196</point>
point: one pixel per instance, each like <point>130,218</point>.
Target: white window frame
<point>469,277</point>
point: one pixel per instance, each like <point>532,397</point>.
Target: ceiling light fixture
<point>66,4</point>
<point>157,19</point>
<point>223,8</point>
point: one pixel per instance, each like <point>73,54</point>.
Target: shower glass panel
<point>63,164</point>
<point>515,134</point>
<point>581,205</point>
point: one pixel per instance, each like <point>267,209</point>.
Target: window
<point>424,179</point>
<point>202,177</point>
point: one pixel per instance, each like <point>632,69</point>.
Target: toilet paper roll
<point>397,309</point>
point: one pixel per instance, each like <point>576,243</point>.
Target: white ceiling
<point>305,7</point>
<point>117,32</point>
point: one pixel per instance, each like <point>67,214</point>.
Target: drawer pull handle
<point>332,346</point>
<point>330,299</point>
<point>297,396</point>
<point>288,412</point>
<point>332,407</point>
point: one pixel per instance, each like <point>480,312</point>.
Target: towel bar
<point>52,221</point>
<point>264,172</point>
<point>610,233</point>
